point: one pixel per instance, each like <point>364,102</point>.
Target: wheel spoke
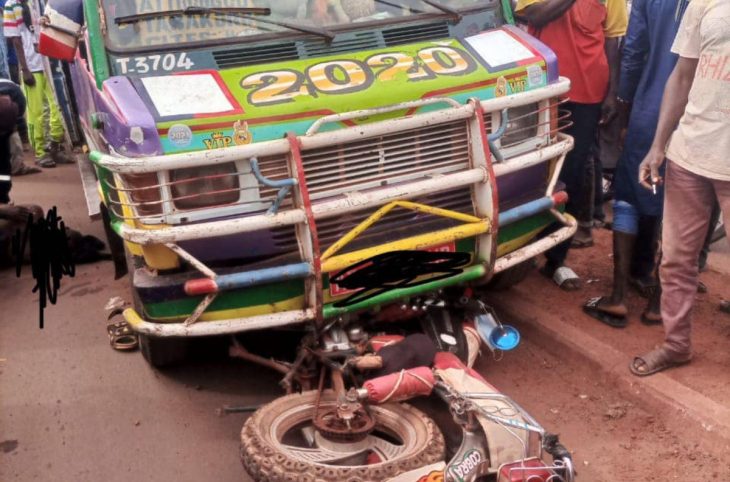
<point>387,450</point>
<point>317,455</point>
<point>308,435</point>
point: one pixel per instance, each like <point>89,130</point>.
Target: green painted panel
<point>229,300</point>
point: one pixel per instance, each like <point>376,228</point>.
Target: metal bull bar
<point>303,214</point>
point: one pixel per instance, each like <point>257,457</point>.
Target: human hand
<point>608,110</point>
<point>28,78</point>
<point>649,168</point>
<point>623,111</point>
<point>15,213</point>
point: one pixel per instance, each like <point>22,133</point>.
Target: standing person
<point>12,61</point>
<point>18,27</point>
<point>637,212</point>
<point>12,106</point>
<point>584,35</point>
<point>4,72</point>
<point>694,135</point>
<point>17,164</point>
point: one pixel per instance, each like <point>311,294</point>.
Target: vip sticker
<point>180,135</point>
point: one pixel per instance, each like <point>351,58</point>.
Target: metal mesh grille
<point>387,159</point>
<point>258,54</point>
<point>350,42</point>
<point>414,33</point>
<point>397,224</point>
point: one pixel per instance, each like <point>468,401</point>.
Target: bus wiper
<point>239,12</point>
<point>452,12</point>
<point>444,8</point>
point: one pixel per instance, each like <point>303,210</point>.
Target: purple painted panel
<point>258,244</point>
<point>551,60</point>
<point>120,108</point>
<point>125,109</point>
<point>522,186</point>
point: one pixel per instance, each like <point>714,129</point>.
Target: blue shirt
<point>646,64</point>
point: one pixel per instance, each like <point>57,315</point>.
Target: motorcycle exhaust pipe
<point>494,334</point>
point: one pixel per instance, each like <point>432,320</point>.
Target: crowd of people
<point>41,129</point>
<point>655,84</point>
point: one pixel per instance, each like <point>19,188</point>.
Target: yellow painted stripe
<point>296,303</point>
<point>517,243</point>
<point>380,213</point>
<point>132,317</point>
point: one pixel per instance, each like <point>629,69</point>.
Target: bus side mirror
<point>60,29</point>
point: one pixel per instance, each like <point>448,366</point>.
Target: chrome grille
<point>388,159</point>
<point>397,224</point>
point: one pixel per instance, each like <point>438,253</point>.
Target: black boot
<point>58,154</point>
<point>611,310</point>
<point>653,313</point>
<point>623,251</point>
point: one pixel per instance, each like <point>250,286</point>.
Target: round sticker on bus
<point>180,135</point>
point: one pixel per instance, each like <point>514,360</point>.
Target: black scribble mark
<point>50,256</point>
<point>397,269</point>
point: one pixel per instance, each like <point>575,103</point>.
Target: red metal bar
<point>296,153</point>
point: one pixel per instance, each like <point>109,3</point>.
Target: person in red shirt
<point>584,34</point>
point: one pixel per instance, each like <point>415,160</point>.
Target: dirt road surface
<point>73,409</point>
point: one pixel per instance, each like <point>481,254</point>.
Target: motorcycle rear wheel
<point>274,447</point>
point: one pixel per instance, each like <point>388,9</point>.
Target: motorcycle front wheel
<point>281,443</point>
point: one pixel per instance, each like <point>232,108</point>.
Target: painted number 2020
<point>348,76</point>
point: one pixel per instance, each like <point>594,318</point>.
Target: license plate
<point>336,290</point>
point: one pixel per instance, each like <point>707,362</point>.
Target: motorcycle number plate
<point>336,290</point>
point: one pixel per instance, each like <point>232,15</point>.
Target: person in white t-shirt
<point>19,29</point>
<point>693,134</point>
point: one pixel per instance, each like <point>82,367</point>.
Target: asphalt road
<point>73,409</point>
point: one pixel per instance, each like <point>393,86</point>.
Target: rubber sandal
<point>592,309</point>
<point>25,170</point>
<point>121,336</point>
<point>583,238</point>
<point>581,244</point>
<point>46,162</point>
<point>651,319</point>
<point>643,287</point>
<point>561,276</point>
<point>656,360</point>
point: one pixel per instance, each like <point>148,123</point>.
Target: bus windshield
<point>174,22</point>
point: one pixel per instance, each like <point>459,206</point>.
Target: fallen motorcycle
<point>360,429</point>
